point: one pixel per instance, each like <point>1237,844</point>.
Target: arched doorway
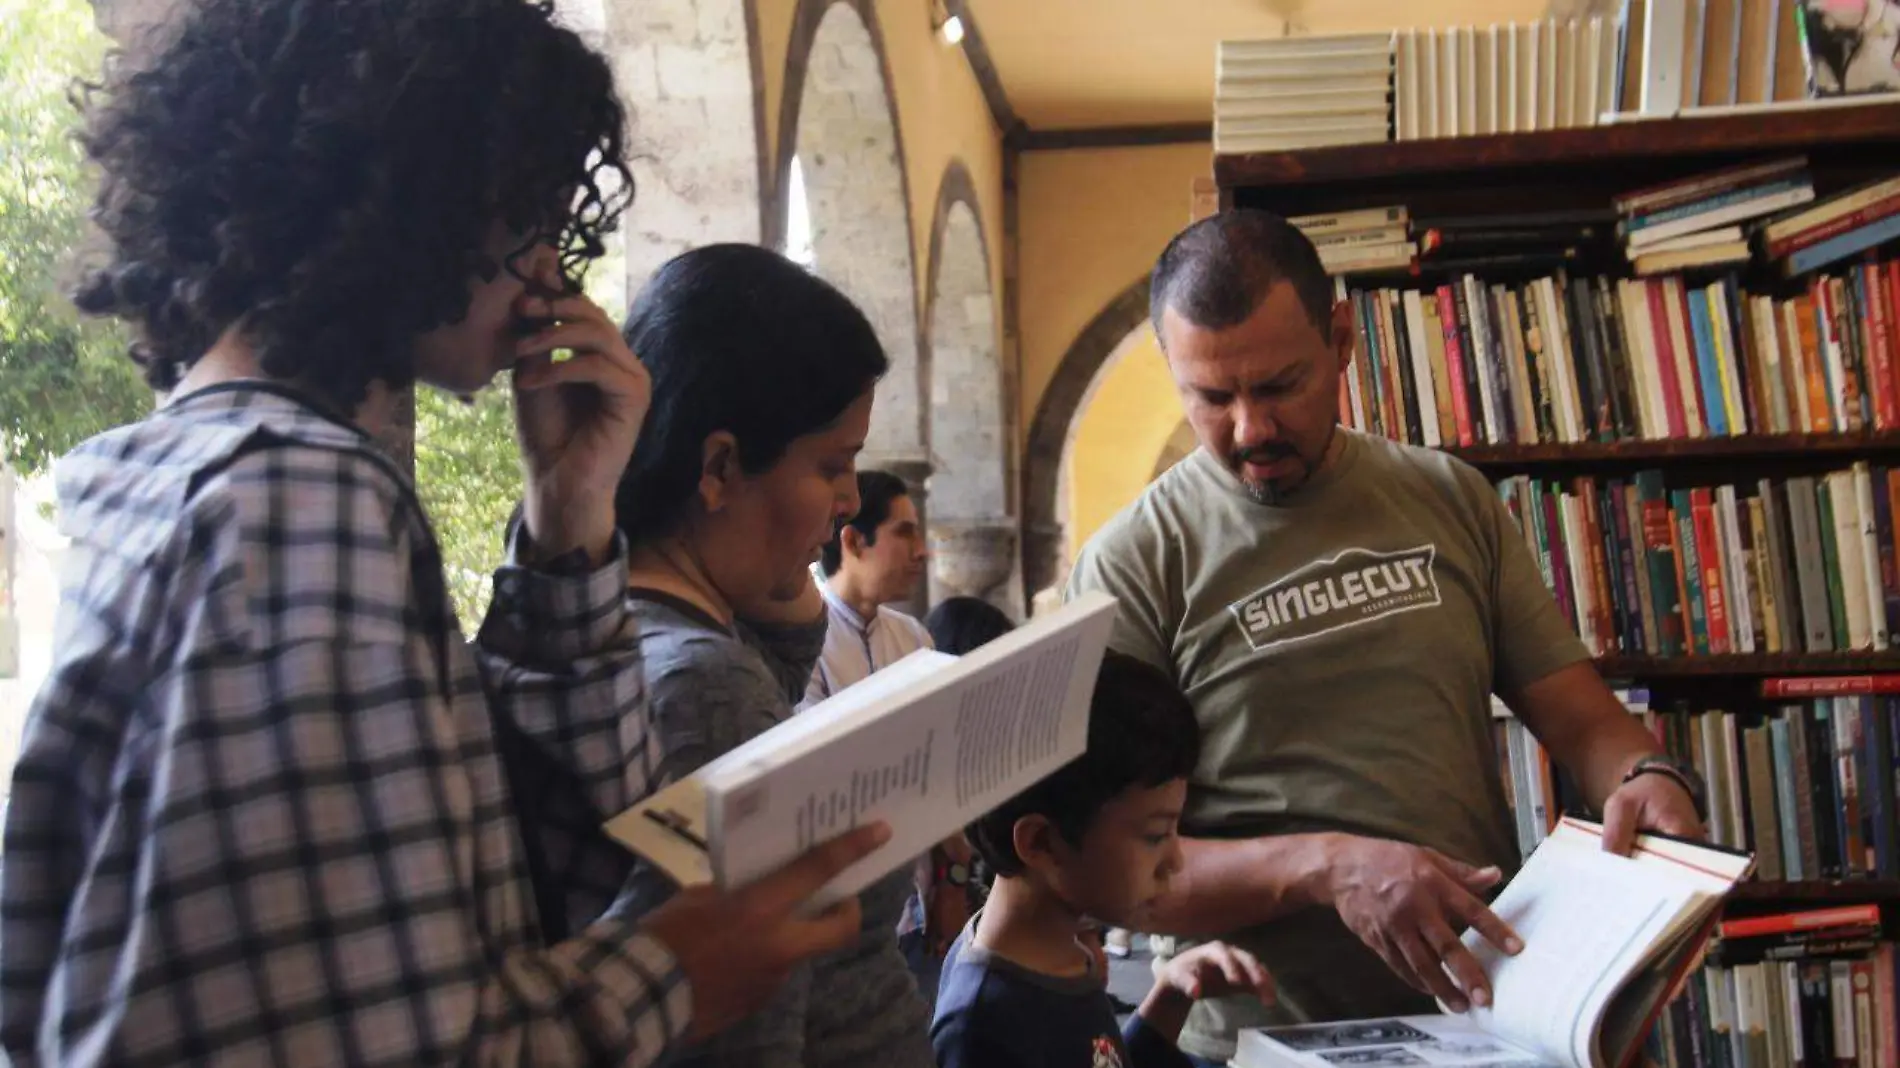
<point>840,127</point>
<point>973,534</point>
<point>1045,552</point>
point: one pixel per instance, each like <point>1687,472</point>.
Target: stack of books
<point>1843,225</point>
<point>1302,92</point>
<point>1371,239</point>
<point>1505,78</point>
<point>1698,222</point>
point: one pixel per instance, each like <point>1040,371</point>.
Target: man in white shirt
<point>872,562</point>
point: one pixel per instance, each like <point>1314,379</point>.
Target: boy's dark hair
<point>328,174</point>
<point>1216,272</point>
<point>1142,732</point>
<point>960,624</point>
<point>877,491</point>
<point>737,338</point>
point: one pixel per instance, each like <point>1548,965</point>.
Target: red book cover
<point>1708,551</point>
<point>1809,920</point>
<point>1830,686</point>
<point>1609,636</point>
<point>1888,274</point>
<point>1666,361</point>
<point>1834,227</point>
<point>1455,364</point>
<point>1876,332</point>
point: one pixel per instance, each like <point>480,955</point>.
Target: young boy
<point>259,815</point>
<point>1094,841</point>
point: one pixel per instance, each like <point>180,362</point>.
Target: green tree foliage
<point>62,379</point>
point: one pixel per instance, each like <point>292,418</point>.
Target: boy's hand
<point>1217,970</point>
<point>1209,971</point>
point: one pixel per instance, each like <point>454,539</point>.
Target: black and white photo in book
<point>1853,46</point>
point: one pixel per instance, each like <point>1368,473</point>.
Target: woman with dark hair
<point>960,624</point>
<point>259,813</point>
<point>762,385</point>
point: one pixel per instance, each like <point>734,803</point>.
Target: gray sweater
<point>708,690</point>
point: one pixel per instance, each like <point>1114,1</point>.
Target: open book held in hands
<point>1607,942</point>
<point>926,745</point>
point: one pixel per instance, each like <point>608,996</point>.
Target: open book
<point>926,745</point>
<point>1607,941</point>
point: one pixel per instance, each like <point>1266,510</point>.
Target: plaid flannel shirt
<point>261,815</point>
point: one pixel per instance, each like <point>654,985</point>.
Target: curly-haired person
<point>261,813</point>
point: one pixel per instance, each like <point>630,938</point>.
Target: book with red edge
<point>1831,686</point>
<point>1608,941</point>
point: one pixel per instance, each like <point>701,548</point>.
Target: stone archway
<point>973,534</point>
<point>839,122</point>
<point>1044,538</point>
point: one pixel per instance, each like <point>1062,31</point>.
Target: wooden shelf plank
<point>1745,664</point>
<point>1743,447</point>
<point>1792,130</point>
<point>1841,890</point>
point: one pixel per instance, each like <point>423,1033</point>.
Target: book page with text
<point>925,749</point>
<point>1589,920</point>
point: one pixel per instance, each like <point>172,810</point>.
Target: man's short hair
<point>1217,272</point>
<point>960,624</point>
<point>1142,732</point>
<point>877,492</point>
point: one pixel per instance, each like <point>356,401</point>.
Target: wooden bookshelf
<point>1747,447</point>
<point>1825,891</point>
<point>1584,171</point>
<point>1731,665</point>
<point>1672,142</point>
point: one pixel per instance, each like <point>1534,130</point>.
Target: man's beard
<point>1266,492</point>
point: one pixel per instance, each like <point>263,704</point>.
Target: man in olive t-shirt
<point>1339,609</point>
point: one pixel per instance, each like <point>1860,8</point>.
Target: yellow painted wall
<point>1091,222</point>
<point>1119,435</point>
<point>941,116</point>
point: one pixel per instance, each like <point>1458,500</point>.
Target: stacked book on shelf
<point>1841,226</point>
<point>1816,986</point>
<point>1302,92</point>
<point>1798,565</point>
<point>1699,222</point>
<point>1370,239</point>
<point>1504,78</point>
<point>1563,359</point>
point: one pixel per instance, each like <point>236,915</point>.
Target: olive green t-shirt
<point>1340,650</point>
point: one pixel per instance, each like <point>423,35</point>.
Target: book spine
<point>1660,558</point>
<point>1715,593</point>
<point>1689,553</point>
<point>1842,246</point>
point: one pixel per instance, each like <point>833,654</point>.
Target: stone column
<point>1043,564</point>
<point>973,558</point>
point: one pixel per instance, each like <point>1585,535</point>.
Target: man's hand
<point>1652,802</point>
<point>1409,904</point>
<point>1212,970</point>
<point>737,948</point>
<point>577,421</point>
